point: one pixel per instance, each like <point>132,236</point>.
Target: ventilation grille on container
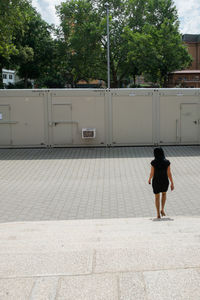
<point>88,133</point>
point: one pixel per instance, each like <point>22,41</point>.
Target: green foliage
<point>157,51</point>
<point>83,24</point>
<point>11,17</point>
<point>19,85</point>
<point>81,39</point>
<point>30,39</point>
<point>154,43</point>
<point>144,39</point>
<point>34,47</point>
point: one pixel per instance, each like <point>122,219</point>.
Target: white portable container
<point>23,118</point>
<point>115,117</point>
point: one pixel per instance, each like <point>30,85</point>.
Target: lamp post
<point>108,46</point>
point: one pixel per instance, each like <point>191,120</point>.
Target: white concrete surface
<point>113,259</point>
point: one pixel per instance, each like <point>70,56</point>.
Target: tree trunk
<point>161,81</point>
<point>134,79</point>
<point>114,83</point>
<point>26,81</point>
<point>165,81</point>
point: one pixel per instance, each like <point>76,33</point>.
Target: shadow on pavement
<point>95,153</point>
<point>162,219</point>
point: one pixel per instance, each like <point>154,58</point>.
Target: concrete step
<point>141,258</point>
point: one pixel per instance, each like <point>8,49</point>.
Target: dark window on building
<point>10,77</point>
<point>4,76</point>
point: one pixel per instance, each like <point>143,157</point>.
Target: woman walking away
<point>161,174</point>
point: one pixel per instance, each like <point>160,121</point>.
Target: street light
<point>108,46</point>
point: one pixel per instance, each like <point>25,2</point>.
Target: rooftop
<point>191,38</point>
<point>8,71</point>
<point>186,72</point>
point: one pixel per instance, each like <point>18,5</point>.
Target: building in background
<point>184,79</point>
<point>8,77</point>
<point>12,80</point>
<point>192,41</point>
<point>92,84</point>
<point>189,78</point>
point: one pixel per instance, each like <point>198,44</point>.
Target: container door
<point>189,123</point>
<point>5,129</point>
<point>62,124</point>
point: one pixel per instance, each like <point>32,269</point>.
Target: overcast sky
<point>188,11</point>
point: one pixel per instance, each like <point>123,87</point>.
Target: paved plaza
<point>93,183</point>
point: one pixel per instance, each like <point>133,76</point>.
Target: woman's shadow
<point>161,219</point>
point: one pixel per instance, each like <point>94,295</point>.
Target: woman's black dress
<point>160,180</point>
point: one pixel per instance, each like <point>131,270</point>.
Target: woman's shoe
<point>162,213</point>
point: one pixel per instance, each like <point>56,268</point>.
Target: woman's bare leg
<point>157,203</point>
<point>164,196</point>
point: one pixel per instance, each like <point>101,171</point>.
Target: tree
<point>157,48</point>
<point>79,23</point>
<point>35,47</point>
<point>56,73</point>
<point>118,51</point>
<point>11,17</point>
<point>83,23</point>
<point>26,43</point>
<point>144,38</point>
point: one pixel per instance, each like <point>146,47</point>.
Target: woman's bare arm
<point>169,174</point>
<point>151,174</point>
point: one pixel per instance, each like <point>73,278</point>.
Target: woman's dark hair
<point>159,153</point>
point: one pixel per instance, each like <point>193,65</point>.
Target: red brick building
<point>189,78</point>
<point>184,79</point>
<point>192,41</point>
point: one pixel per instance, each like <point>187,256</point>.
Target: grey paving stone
<point>17,288</point>
<point>98,287</point>
<point>173,284</point>
<point>53,184</point>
